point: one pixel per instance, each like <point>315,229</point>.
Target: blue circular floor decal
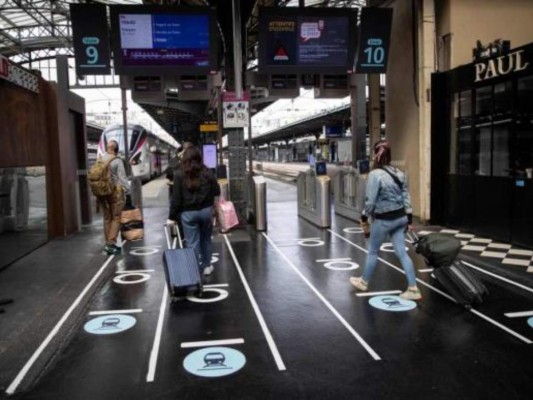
<point>392,303</point>
<point>109,324</point>
<point>213,362</point>
<point>530,322</point>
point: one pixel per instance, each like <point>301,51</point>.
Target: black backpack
<point>440,250</point>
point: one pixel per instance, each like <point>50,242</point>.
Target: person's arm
<point>371,194</point>
<point>407,201</point>
<point>175,204</point>
<point>122,178</point>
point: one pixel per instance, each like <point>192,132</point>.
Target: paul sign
<point>500,66</point>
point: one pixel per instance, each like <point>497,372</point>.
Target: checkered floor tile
<point>507,254</point>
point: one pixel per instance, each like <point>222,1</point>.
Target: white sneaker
<point>208,270</point>
<point>411,294</point>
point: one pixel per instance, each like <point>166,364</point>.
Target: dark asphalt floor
<point>292,327</point>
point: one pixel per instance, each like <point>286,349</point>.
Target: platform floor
<point>279,320</point>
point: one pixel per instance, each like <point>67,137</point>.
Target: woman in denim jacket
<point>388,202</point>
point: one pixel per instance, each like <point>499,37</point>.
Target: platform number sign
<point>91,39</point>
<point>374,38</point>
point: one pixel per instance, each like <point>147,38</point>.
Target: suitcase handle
<point>168,236</point>
<point>413,237</point>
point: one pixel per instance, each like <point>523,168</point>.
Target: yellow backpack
<point>99,176</point>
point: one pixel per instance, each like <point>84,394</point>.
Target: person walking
<point>113,204</point>
<point>193,196</point>
<point>388,202</point>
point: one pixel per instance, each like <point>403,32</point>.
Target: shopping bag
<point>226,215</point>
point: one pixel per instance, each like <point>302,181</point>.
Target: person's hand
<point>365,226</point>
<point>171,222</point>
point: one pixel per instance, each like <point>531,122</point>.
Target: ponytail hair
<point>382,153</point>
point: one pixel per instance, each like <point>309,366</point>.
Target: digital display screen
<point>321,168</point>
<point>314,40</point>
<point>210,155</point>
<point>163,40</point>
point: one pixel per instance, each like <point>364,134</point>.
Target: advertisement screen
<point>151,39</point>
<point>210,155</point>
<point>314,40</point>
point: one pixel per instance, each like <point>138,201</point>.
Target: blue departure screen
<point>164,39</point>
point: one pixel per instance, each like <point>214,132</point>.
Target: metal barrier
<point>257,201</point>
<point>314,202</point>
<point>349,194</point>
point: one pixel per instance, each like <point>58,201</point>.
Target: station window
<point>461,137</point>
<point>482,131</point>
<point>523,144</point>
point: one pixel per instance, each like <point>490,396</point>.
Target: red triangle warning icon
<point>281,54</point>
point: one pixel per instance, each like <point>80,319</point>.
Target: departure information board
<point>314,40</point>
<point>147,39</point>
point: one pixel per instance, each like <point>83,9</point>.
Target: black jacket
<point>184,199</point>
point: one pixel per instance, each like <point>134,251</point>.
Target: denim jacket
<point>384,195</point>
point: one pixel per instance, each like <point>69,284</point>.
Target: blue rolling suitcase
<point>182,271</point>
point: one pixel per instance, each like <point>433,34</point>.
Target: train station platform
<point>278,319</point>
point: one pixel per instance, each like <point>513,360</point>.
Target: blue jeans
<point>378,233</point>
<point>197,227</point>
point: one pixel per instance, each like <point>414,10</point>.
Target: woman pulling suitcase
<point>388,202</point>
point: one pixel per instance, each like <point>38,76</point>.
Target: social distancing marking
<point>310,242</point>
<point>392,303</point>
<point>389,248</point>
<point>214,362</point>
<point>144,251</point>
<point>339,264</point>
<point>530,322</point>
<point>109,324</point>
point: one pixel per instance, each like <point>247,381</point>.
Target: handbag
<point>226,215</point>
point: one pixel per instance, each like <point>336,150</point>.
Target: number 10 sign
<point>91,38</point>
<point>374,38</point>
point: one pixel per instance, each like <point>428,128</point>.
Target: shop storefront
<point>482,147</point>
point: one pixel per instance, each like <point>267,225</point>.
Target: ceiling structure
<point>35,30</point>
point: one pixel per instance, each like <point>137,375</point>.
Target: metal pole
<point>250,152</point>
<point>219,121</point>
<point>237,48</point>
<point>125,122</point>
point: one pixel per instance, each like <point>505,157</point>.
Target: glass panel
<point>524,150</point>
<point>482,155</point>
<point>503,101</point>
<point>453,134</point>
<point>500,155</point>
<point>483,104</point>
<point>23,212</point>
<point>524,105</point>
<point>464,133</point>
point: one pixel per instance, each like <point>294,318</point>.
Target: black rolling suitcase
<point>182,271</point>
<point>461,284</point>
<point>440,252</point>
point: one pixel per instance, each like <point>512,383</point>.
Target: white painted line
<point>157,339</point>
<point>134,271</point>
<point>132,311</point>
<point>518,285</point>
<point>523,338</point>
<point>334,259</point>
<point>22,373</point>
<point>423,233</point>
<point>217,285</point>
<point>464,236</point>
<point>516,261</point>
<point>499,246</point>
<point>266,331</point>
<point>426,270</point>
<point>367,347</point>
<point>493,254</point>
<point>454,231</point>
<point>474,248</point>
<point>530,269</point>
<point>521,252</point>
<point>519,314</point>
<point>369,294</point>
<point>481,240</point>
<point>496,323</point>
<point>188,345</point>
